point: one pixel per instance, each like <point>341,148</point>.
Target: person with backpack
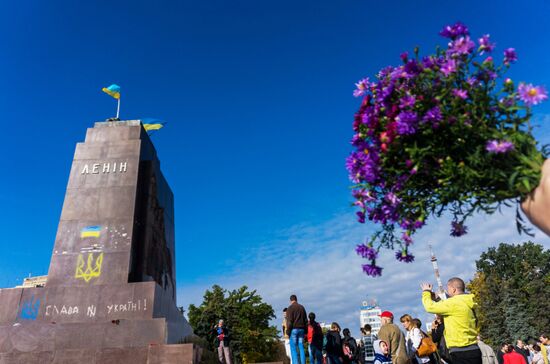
<point>349,347</point>
<point>367,344</point>
<point>332,347</point>
<point>315,340</point>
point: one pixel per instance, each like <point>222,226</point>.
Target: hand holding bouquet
<point>445,132</point>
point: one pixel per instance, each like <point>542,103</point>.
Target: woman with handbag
<point>414,341</point>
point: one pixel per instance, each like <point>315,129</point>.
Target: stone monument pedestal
<point>110,293</point>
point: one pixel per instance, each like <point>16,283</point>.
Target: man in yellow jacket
<point>460,320</point>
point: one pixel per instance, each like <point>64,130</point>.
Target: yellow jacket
<point>544,353</point>
<point>460,322</point>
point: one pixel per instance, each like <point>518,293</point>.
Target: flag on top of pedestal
<point>113,90</point>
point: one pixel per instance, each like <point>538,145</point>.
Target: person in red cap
<point>393,336</point>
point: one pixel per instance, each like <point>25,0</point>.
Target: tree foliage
<point>246,316</point>
<point>512,289</point>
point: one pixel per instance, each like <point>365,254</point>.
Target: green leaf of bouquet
<point>512,179</point>
<point>527,185</point>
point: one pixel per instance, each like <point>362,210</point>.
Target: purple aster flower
<point>428,62</point>
<point>472,81</point>
<point>458,229</point>
<point>372,270</point>
<point>485,45</point>
<point>531,95</point>
<point>406,122</point>
<point>460,93</point>
<point>383,73</point>
<point>406,237</point>
<point>392,198</point>
<point>412,68</point>
<point>448,67</point>
<point>461,46</point>
<point>407,101</point>
<point>433,116</point>
<point>455,30</point>
<point>367,252</point>
<point>418,224</point>
<point>363,195</point>
<point>399,72</point>
<point>486,75</point>
<point>357,140</point>
<point>499,146</point>
<point>510,56</point>
<point>488,60</point>
<point>360,216</point>
<point>404,256</point>
<point>405,223</point>
<point>361,87</point>
<point>384,92</point>
<point>359,203</point>
<point>363,167</point>
<point>404,56</point>
<point>369,118</point>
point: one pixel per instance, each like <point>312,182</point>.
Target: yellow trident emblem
<point>91,271</point>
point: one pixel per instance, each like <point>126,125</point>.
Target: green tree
<point>246,316</point>
<point>512,288</point>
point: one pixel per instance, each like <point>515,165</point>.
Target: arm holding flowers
<point>537,204</point>
<point>445,133</point>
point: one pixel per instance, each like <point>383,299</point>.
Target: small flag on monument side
<point>156,126</point>
<point>90,232</point>
<point>113,90</point>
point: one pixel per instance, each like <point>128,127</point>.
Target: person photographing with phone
<point>460,320</point>
<point>222,342</point>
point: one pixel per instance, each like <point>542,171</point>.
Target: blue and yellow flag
<point>113,90</point>
<point>90,232</point>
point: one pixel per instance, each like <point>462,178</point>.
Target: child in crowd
<point>382,356</point>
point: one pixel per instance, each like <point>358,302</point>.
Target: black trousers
<point>466,357</point>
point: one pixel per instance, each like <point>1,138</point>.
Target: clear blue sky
<point>258,96</point>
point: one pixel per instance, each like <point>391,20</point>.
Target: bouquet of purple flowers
<point>445,132</point>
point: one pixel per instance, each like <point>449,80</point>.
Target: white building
<point>370,314</point>
<point>324,326</point>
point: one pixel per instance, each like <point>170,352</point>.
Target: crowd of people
<point>453,338</point>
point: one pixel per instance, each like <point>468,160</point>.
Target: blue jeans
<point>297,339</point>
<point>315,355</point>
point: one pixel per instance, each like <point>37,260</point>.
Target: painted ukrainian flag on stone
<point>90,232</point>
<point>113,90</point>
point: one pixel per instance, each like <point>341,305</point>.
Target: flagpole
<point>118,108</point>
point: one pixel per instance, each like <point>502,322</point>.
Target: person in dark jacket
<point>438,327</point>
<point>333,345</point>
<point>222,342</point>
<point>500,354</point>
<point>350,348</point>
<point>315,340</point>
<point>522,349</point>
<point>513,357</point>
<point>296,320</point>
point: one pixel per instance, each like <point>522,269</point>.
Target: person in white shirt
<point>413,340</point>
